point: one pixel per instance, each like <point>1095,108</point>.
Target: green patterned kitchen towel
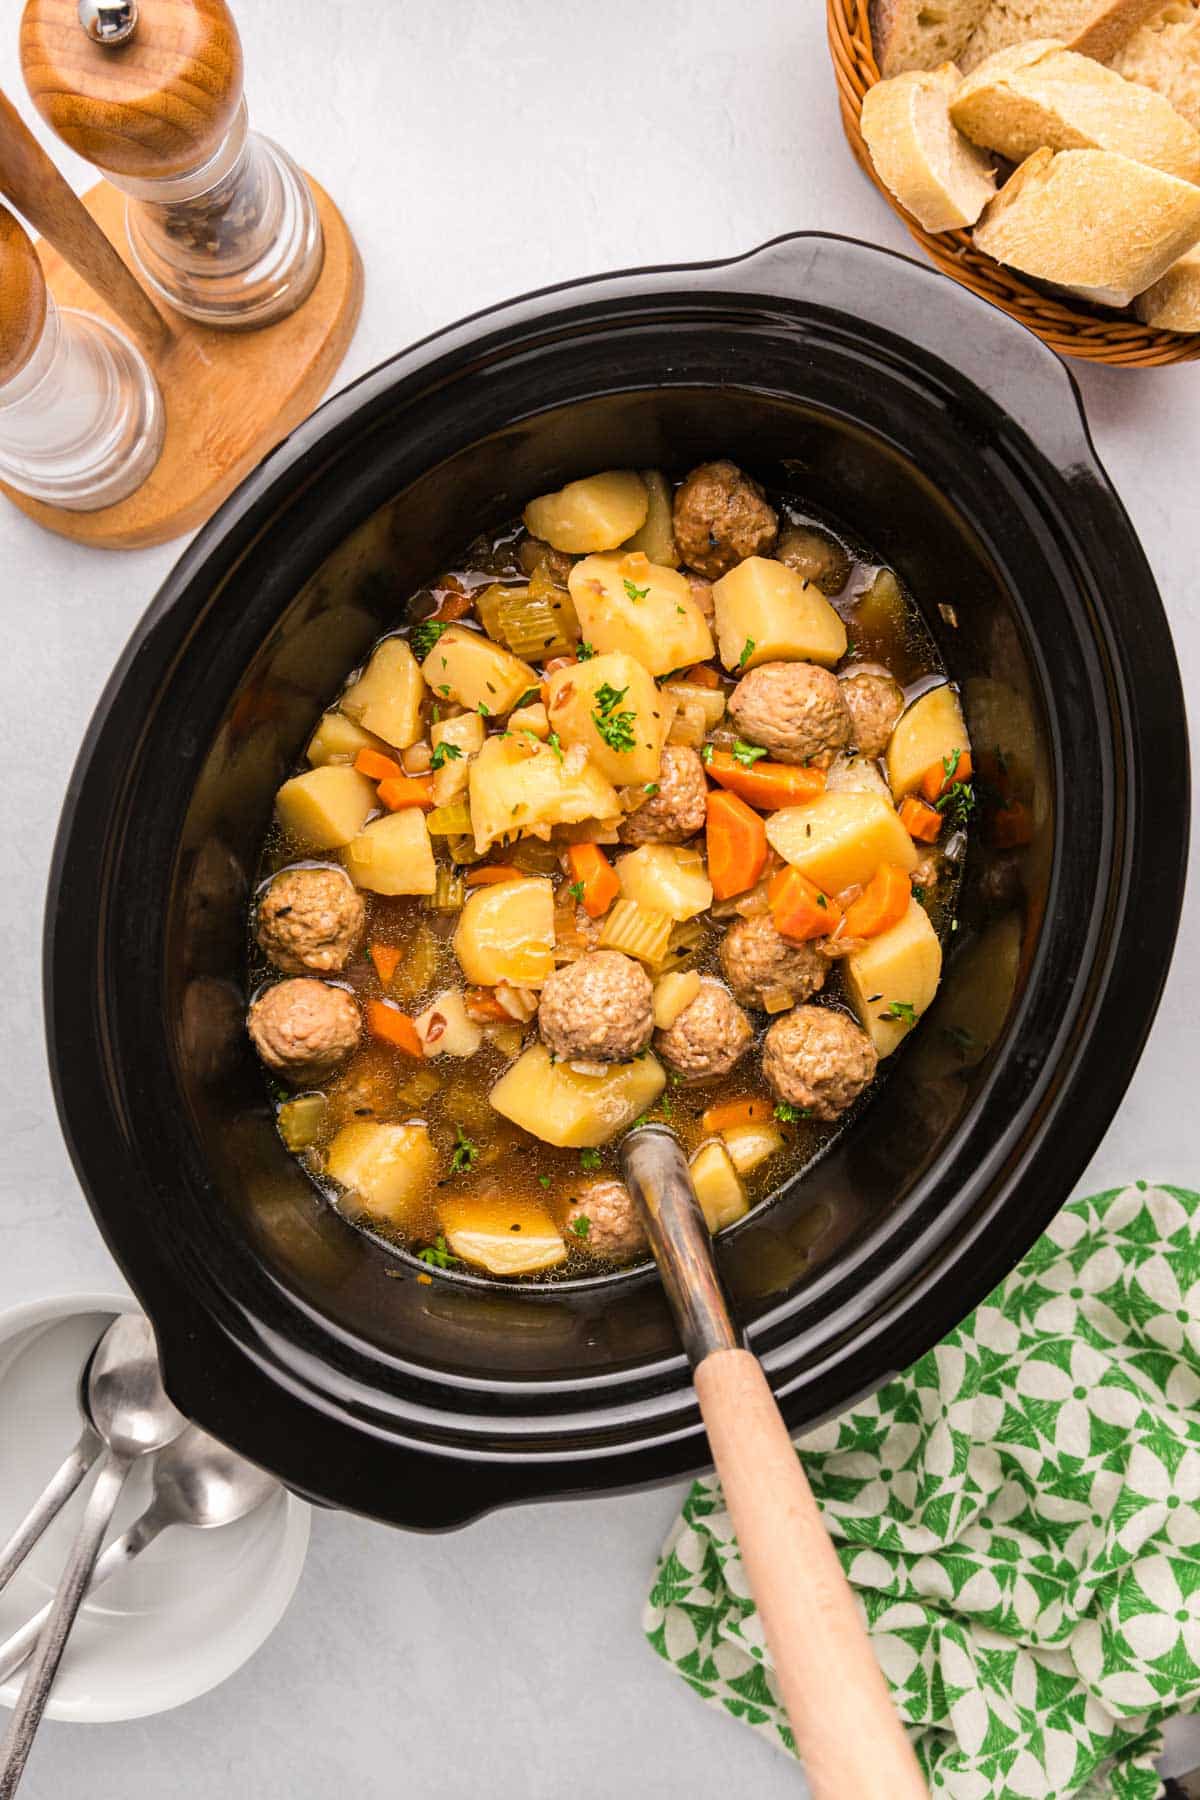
<point>1019,1514</point>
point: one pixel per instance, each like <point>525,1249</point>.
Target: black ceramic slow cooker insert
<point>942,434</point>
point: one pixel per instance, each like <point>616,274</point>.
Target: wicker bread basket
<point>1072,330</point>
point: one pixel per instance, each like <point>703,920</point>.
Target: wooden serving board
<point>230,396</point>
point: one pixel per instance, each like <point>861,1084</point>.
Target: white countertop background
<point>479,150</point>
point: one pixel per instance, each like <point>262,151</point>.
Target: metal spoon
<point>197,1482</point>
<point>130,1410</point>
<point>57,1492</point>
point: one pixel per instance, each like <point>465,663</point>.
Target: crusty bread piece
<point>1173,303</point>
<point>938,177</point>
<point>1091,222</point>
<point>921,34</point>
<point>1093,27</point>
<point>1165,56</point>
<point>1038,94</point>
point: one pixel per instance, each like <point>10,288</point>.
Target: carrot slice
<point>378,767</point>
<point>487,874</point>
<point>799,908</point>
<point>406,790</point>
<point>736,843</point>
<point>920,820</point>
<point>591,869</point>
<point>391,1026</point>
<point>702,676</point>
<point>938,778</point>
<point>732,1113</point>
<point>386,958</point>
<point>1012,826</point>
<point>882,904</point>
<point>766,785</point>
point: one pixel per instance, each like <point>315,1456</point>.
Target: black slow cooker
<point>938,431</point>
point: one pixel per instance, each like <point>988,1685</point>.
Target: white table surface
<point>479,150</point>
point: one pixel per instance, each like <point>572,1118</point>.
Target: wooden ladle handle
<point>847,1733</point>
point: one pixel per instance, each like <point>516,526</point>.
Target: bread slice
<point>1165,55</point>
<point>935,174</point>
<point>1041,94</point>
<point>1091,222</point>
<point>1093,27</point>
<point>1173,303</point>
<point>921,34</point>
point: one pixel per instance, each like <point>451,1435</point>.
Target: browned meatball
<point>677,812</point>
<point>310,920</point>
<point>811,554</point>
<point>599,1009</point>
<point>604,1220</point>
<point>818,1060</point>
<point>721,517</point>
<point>793,709</point>
<point>756,960</point>
<point>874,700</point>
<point>708,1037</point>
<point>304,1028</point>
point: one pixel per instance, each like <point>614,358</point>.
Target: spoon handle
<point>118,1556</point>
<point>57,1492</point>
<point>27,1714</point>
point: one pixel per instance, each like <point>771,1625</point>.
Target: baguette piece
<point>1093,27</point>
<point>1165,55</point>
<point>935,174</point>
<point>1092,222</point>
<point>1040,94</point>
<point>1173,303</point>
<point>921,34</point>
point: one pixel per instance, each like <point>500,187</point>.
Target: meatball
<point>755,960</point>
<point>721,517</point>
<point>600,1008</point>
<point>795,710</point>
<point>708,1037</point>
<point>310,920</point>
<point>874,700</point>
<point>613,1228</point>
<point>816,557</point>
<point>818,1060</point>
<point>304,1028</point>
<point>679,808</point>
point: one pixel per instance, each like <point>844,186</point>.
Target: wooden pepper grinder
<point>81,419</point>
<point>221,223</point>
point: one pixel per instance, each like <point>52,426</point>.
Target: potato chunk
<point>446,1028</point>
<point>672,994</point>
<point>549,1100</point>
<point>718,1186</point>
<point>931,730</point>
<point>667,879</point>
<point>505,1237</point>
<point>393,855</point>
<point>597,513</point>
<point>518,783</point>
<point>338,739</point>
<point>750,1145</point>
<point>387,696</point>
<point>327,807</point>
<point>635,718</point>
<point>656,538</point>
<point>780,615</point>
<point>892,980</point>
<point>466,666</point>
<point>626,603</point>
<point>838,840</point>
<point>390,1167</point>
<point>506,933</point>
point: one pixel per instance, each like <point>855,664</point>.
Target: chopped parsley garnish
<point>958,801</point>
<point>576,892</point>
<point>444,692</point>
<point>747,653</point>
<point>528,698</point>
<point>681,612</point>
<point>437,1256</point>
<point>616,728</point>
<point>822,901</point>
<point>902,1010</point>
<point>589,1159</point>
<point>919,893</point>
<point>746,754</point>
<point>465,1152</point>
<point>580,1225</point>
<point>552,743</point>
<point>634,592</point>
<point>650,789</point>
<point>424,636</point>
<point>787,1114</point>
<point>584,651</point>
<point>706,754</point>
<point>444,753</point>
<point>485,711</point>
<point>543,1181</point>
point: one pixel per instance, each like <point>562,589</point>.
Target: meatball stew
<point>654,809</point>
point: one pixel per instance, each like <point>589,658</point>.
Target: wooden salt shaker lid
<point>153,107</point>
<point>22,298</point>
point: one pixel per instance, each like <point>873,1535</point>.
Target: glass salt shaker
<point>81,418</point>
<point>221,223</point>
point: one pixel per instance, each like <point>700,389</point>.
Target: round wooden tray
<point>1072,330</point>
